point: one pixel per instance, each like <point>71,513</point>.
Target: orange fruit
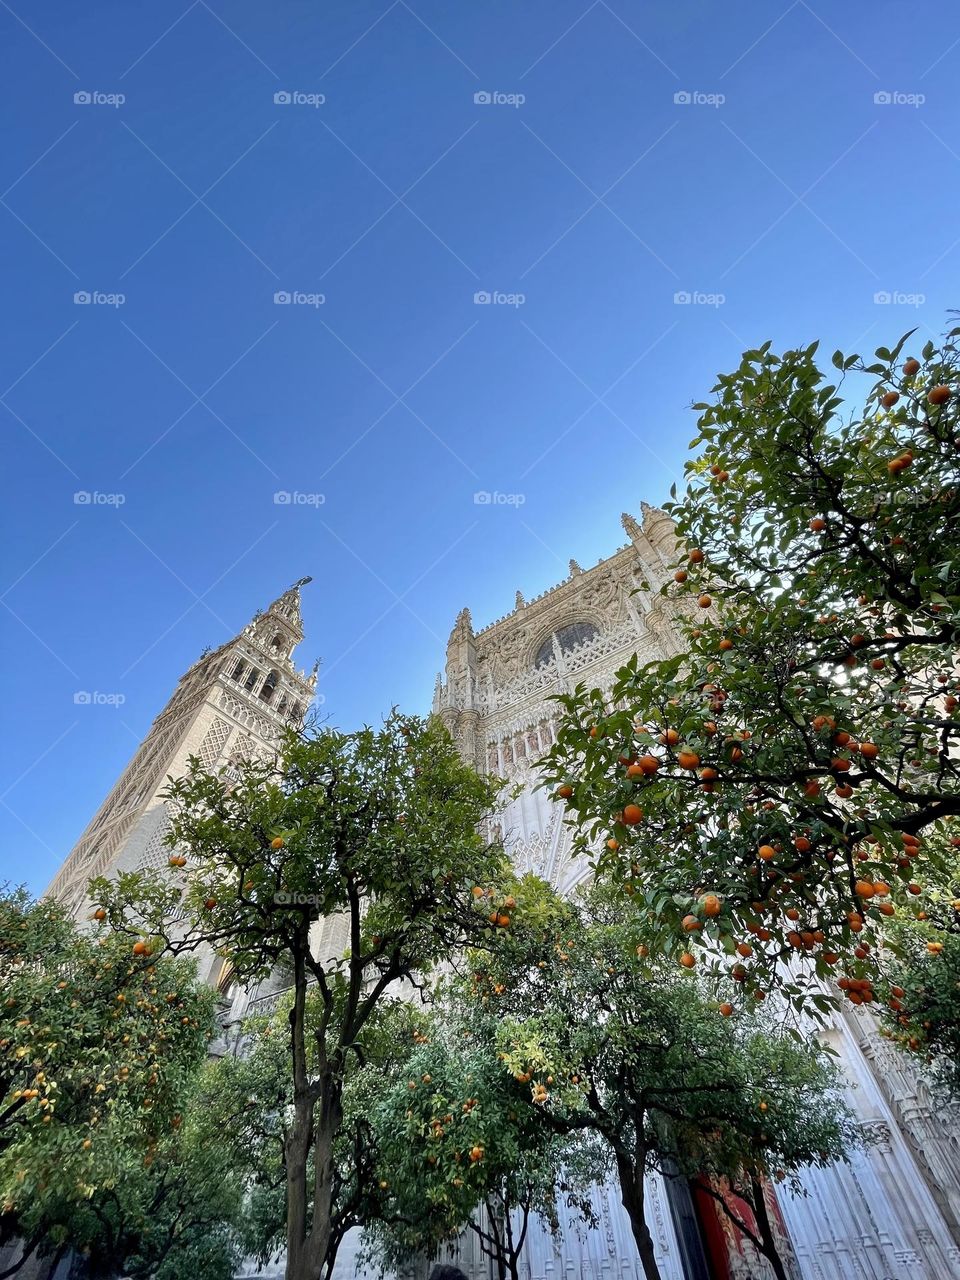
<point>766,852</point>
<point>688,759</point>
<point>711,905</point>
<point>911,366</point>
<point>726,1008</point>
<point>564,792</point>
<point>939,395</point>
<point>890,399</point>
<point>277,842</point>
<point>688,961</point>
<point>632,814</point>
<point>681,575</point>
<point>696,556</point>
<point>704,601</point>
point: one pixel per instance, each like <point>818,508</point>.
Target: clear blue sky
<point>797,197</point>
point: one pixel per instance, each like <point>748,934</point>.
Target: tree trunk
<point>766,1230</point>
<point>631,1197</point>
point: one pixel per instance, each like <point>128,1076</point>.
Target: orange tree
<point>97,1047</point>
<point>459,1150</point>
<point>379,828</point>
<point>786,785</point>
<point>603,1038</point>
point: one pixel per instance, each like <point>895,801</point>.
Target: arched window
<point>569,637</point>
<point>252,678</point>
<point>238,670</point>
<point>266,692</point>
<point>294,713</point>
<point>277,643</point>
<point>281,708</point>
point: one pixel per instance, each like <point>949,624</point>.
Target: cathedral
<point>892,1213</point>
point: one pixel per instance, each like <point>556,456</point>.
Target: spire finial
<point>630,525</point>
<point>520,602</point>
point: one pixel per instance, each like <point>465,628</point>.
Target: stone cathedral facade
<point>892,1214</point>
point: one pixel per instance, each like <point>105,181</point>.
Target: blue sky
<point>778,193</point>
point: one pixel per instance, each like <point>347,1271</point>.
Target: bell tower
<point>233,702</point>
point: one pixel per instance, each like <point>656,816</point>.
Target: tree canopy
<point>773,796</point>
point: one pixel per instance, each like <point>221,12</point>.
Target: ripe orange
<point>99,914</point>
<point>276,842</point>
<point>704,601</point>
<point>725,644</point>
<point>890,399</point>
<point>688,961</point>
<point>911,366</point>
<point>649,764</point>
<point>711,905</point>
<point>141,949</point>
<point>632,814</point>
<point>869,750</point>
<point>766,852</point>
<point>696,556</point>
<point>564,792</point>
<point>681,575</point>
<point>818,524</point>
<point>669,737</point>
<point>635,770</point>
<point>864,889</point>
<point>744,949</point>
<point>613,844</point>
<point>688,759</point>
<point>691,924</point>
<point>939,395</point>
<point>726,1008</point>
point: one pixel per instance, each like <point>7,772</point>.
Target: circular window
<point>569,637</point>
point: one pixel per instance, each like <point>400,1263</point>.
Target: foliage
<point>796,767</point>
<point>923,982</point>
<point>99,1048</point>
<point>380,829</point>
<point>455,1137</point>
<point>608,1039</point>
